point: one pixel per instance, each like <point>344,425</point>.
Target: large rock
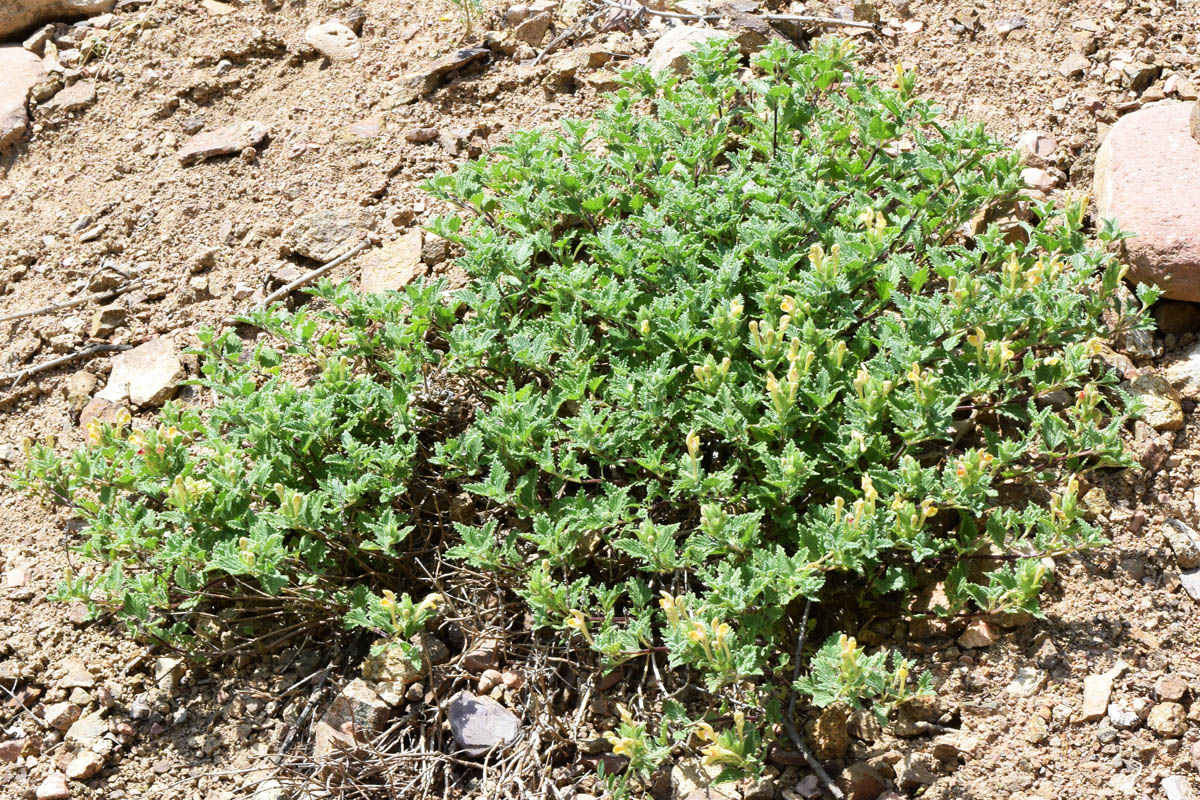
<point>16,15</point>
<point>20,71</point>
<point>673,47</point>
<point>394,265</point>
<point>1147,177</point>
<point>480,723</point>
<point>147,375</point>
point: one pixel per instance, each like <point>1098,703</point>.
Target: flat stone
<point>393,666</point>
<point>233,138</point>
<point>17,15</point>
<point>1074,65</point>
<point>333,40</point>
<point>1122,718</point>
<point>85,765</point>
<point>77,676</point>
<point>393,266</point>
<point>671,50</point>
<point>1038,179</point>
<point>1147,158</point>
<point>147,375</point>
<point>480,723</point>
<point>533,30</point>
<point>483,655</point>
<point>87,730</point>
<point>323,235</point>
<point>54,787</point>
<point>1176,787</point>
<point>1162,410</point>
<point>107,319</point>
<point>75,97</point>
<point>102,410</point>
<point>1097,689</point>
<point>20,71</point>
<point>1184,541</point>
<point>828,734</point>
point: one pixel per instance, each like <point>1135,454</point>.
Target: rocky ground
<point>178,161</point>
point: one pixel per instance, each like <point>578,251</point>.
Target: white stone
<point>333,40</point>
<point>147,375</point>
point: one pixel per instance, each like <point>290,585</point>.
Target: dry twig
<point>309,277</point>
<point>20,375</point>
<point>78,301</point>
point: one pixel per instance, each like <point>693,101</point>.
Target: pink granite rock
<point>1147,177</point>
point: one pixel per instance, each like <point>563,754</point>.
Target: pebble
<point>1122,718</point>
<point>333,40</point>
<point>1176,787</point>
<point>1163,404</point>
<point>1027,682</point>
<point>61,716</point>
<point>1184,542</point>
<point>978,634</point>
<point>54,787</point>
<point>1074,65</point>
<point>85,765</point>
<point>489,680</point>
<point>1170,688</point>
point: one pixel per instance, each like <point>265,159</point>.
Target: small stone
<point>147,375</point>
<point>54,787</point>
<point>1189,579</point>
<point>1096,692</point>
<point>1027,682</point>
<point>61,716</point>
<point>1170,688</point>
<point>77,676</point>
<point>393,266</point>
<point>1122,718</point>
<point>860,781</point>
<point>977,635</point>
<point>107,319</point>
<point>533,30</point>
<point>489,680</point>
<point>1038,179</point>
<point>421,135</point>
<point>1035,147</point>
<point>87,730</point>
<point>11,750</point>
<point>1184,541</point>
<point>1168,720</point>
<point>233,138</point>
<point>1074,65</point>
<point>85,765</point>
<point>1162,409</point>
<point>512,680</point>
<point>433,249</point>
<point>1176,787</point>
<point>333,40</point>
<point>829,734</point>
<point>480,723</point>
<point>323,235</point>
<point>916,770</point>
<point>671,50</point>
<point>359,705</point>
<point>1184,372</point>
<point>428,77</point>
<point>516,14</point>
<point>480,657</point>
<point>167,672</point>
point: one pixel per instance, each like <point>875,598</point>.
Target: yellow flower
<point>645,327</point>
<point>705,732</point>
<point>788,305</point>
<point>693,444</point>
<point>123,417</point>
<point>388,603</point>
<point>95,432</point>
<point>621,745</point>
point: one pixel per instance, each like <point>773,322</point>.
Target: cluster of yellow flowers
<point>95,428</point>
<point>718,752</point>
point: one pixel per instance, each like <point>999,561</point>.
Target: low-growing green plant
<point>725,350</point>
